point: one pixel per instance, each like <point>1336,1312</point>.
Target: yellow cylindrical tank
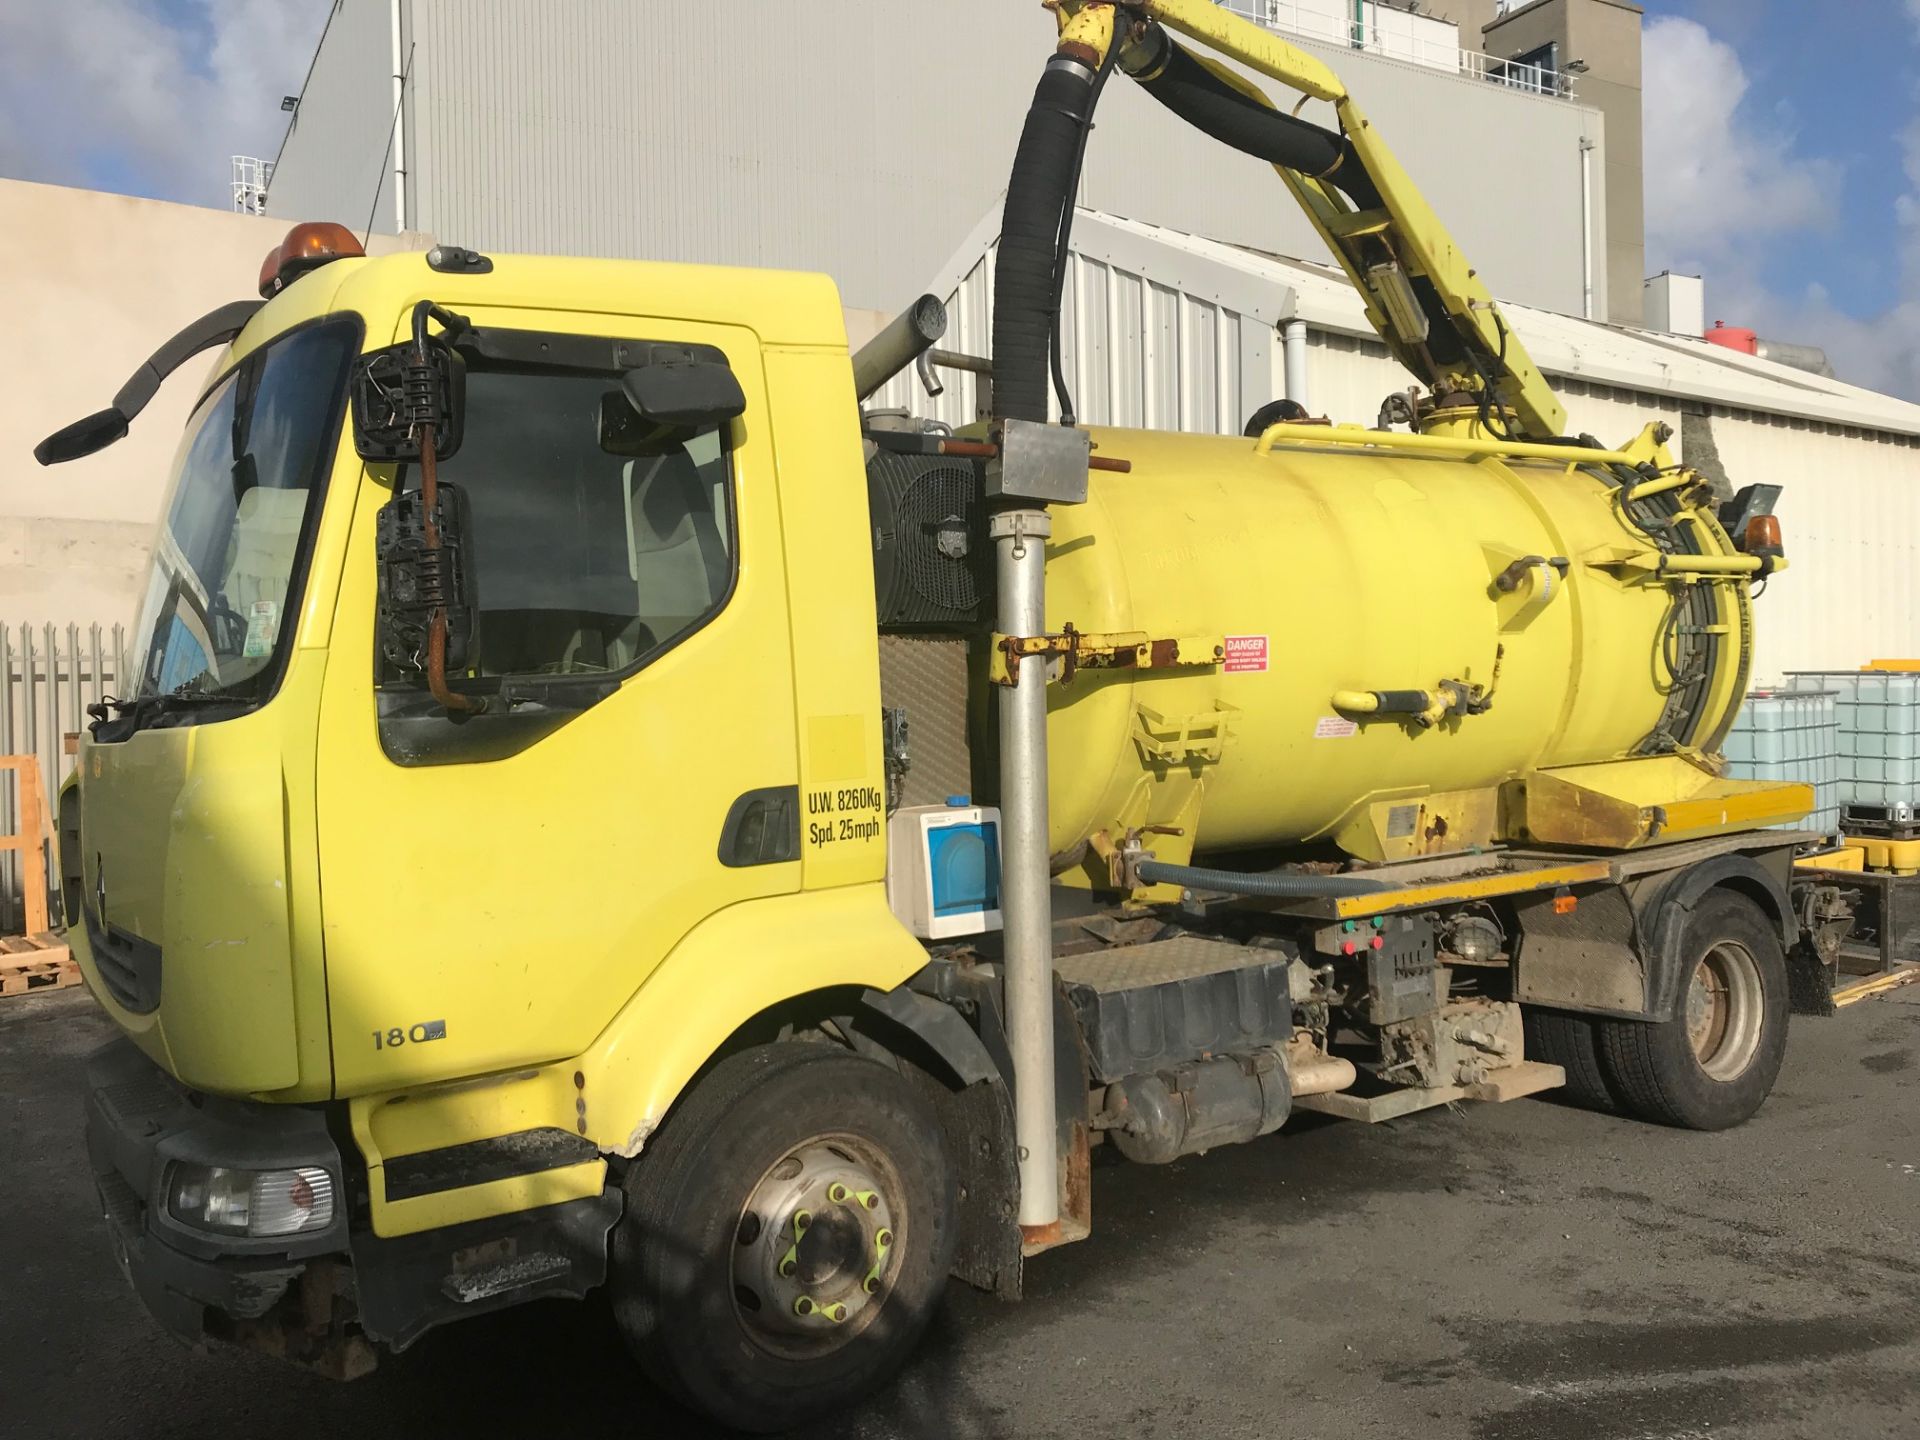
<point>1334,568</point>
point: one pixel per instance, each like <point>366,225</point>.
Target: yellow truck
<point>595,808</point>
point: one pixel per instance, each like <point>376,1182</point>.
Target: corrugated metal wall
<point>1143,349</point>
<point>1850,514</point>
<point>841,136</point>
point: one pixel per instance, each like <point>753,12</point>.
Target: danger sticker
<point>1245,653</point>
<point>1333,727</point>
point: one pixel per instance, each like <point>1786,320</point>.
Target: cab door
<point>494,887</point>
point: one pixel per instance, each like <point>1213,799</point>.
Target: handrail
<point>1363,438</point>
<point>1290,17</point>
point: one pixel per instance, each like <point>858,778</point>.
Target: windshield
<point>244,486</point>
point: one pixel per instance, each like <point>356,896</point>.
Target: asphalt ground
<point>1514,1272</point>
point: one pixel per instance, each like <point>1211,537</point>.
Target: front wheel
<point>1715,1061</point>
<point>786,1237</point>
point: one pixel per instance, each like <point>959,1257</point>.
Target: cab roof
<point>781,307</point>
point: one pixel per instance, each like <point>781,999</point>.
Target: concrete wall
<point>1606,35</point>
<point>1472,16</point>
<point>856,139</point>
<point>91,284</point>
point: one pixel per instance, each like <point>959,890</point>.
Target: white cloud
<point>162,105</point>
<point>1724,175</point>
<point>1717,174</point>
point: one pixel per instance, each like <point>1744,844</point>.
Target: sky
<point>1783,163</point>
<point>1782,140</point>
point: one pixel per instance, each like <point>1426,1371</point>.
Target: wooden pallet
<point>1878,985</point>
<point>30,964</point>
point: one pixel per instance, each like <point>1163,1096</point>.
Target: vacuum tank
<point>1329,574</point>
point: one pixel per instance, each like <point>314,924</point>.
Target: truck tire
<point>1573,1043</point>
<point>786,1237</point>
<point>1714,1062</point>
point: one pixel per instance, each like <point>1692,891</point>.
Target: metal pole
<point>1296,364</point>
<point>49,751</point>
<point>76,701</point>
<point>1025,900</point>
<point>399,126</point>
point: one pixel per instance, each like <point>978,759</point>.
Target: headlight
<point>251,1202</point>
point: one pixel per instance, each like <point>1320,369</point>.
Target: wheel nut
<point>872,1284</point>
<point>803,1306</point>
<point>786,1269</point>
<point>837,1193</point>
<point>835,1312</point>
<point>884,1238</point>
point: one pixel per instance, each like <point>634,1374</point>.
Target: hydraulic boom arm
<point>1421,295</point>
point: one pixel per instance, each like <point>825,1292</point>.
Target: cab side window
<point>585,563</point>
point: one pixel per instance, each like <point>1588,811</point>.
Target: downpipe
<point>1294,338</point>
<point>400,69</point>
<point>1586,225</point>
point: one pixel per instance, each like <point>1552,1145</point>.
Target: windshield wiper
<point>142,708</point>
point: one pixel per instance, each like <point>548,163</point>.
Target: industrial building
<point>862,141</point>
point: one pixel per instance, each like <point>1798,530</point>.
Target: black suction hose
<point>1193,92</point>
<point>1179,81</point>
<point>1274,885</point>
<point>1038,193</point>
<point>1064,249</point>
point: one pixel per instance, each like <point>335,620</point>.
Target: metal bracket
<point>1658,566</point>
<point>1123,860</point>
<point>1127,650</point>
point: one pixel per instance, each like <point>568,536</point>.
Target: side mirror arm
<point>102,428</point>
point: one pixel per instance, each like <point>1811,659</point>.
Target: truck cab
<point>311,896</point>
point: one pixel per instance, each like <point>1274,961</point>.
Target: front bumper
<point>139,1121</point>
<point>318,1297</point>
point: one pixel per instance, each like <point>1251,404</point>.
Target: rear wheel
<point>1573,1043</point>
<point>1714,1062</point>
<point>786,1238</point>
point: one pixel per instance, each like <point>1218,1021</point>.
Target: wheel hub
<point>813,1256</point>
<point>1725,1006</point>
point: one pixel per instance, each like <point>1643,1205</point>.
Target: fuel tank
<point>1528,591</point>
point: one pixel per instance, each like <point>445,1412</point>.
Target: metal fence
<point>49,674</point>
<point>1370,31</point>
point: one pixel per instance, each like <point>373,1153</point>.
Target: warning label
<point>1333,727</point>
<point>1245,653</point>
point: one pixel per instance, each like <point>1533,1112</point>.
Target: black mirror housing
<point>688,395</point>
<point>668,400</point>
<point>86,436</point>
<point>417,579</point>
<point>390,392</point>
